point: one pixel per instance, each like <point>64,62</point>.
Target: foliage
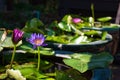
<point>87,61</point>
<point>68,32</point>
<point>69,74</point>
<point>65,32</point>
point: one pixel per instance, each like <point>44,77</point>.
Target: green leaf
<point>79,39</point>
<point>87,61</point>
<point>64,26</point>
<point>7,43</point>
<point>33,30</point>
<point>59,39</point>
<point>91,32</point>
<point>77,64</point>
<point>34,23</point>
<point>62,76</point>
<point>104,34</point>
<point>67,19</point>
<point>31,73</point>
<point>3,76</point>
<point>50,32</point>
<point>47,51</point>
<point>69,74</point>
<point>29,48</point>
<point>104,19</point>
<point>49,79</point>
<point>75,74</point>
<point>25,65</point>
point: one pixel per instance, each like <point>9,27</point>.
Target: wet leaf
<point>87,61</point>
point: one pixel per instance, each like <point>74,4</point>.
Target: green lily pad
<point>64,75</point>
<point>87,61</point>
<point>35,22</point>
<point>33,25</point>
<point>80,39</point>
<point>29,48</point>
<point>104,19</point>
<point>64,26</point>
<point>7,43</point>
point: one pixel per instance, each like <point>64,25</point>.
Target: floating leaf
<point>29,48</point>
<point>92,32</point>
<point>104,19</point>
<point>64,26</point>
<point>75,74</point>
<point>87,61</point>
<point>79,39</point>
<point>33,25</point>
<point>62,76</point>
<point>69,75</point>
<point>8,43</point>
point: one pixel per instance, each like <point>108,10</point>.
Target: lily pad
<point>7,43</point>
<point>87,61</point>
<point>29,49</point>
<point>33,25</point>
<point>104,19</point>
<point>64,26</point>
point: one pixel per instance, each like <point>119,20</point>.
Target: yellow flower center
<point>37,41</point>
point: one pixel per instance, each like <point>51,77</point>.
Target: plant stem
<point>92,9</point>
<point>13,55</point>
<point>38,58</point>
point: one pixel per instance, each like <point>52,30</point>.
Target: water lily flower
<point>76,20</point>
<point>17,36</point>
<point>37,40</point>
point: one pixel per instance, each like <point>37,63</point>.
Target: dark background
<point>17,12</point>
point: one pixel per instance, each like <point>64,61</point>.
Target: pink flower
<point>17,36</point>
<point>76,20</point>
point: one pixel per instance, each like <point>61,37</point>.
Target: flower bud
<point>76,20</point>
<point>17,36</point>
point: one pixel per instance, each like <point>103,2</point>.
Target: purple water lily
<point>76,20</point>
<point>17,36</point>
<point>37,40</point>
